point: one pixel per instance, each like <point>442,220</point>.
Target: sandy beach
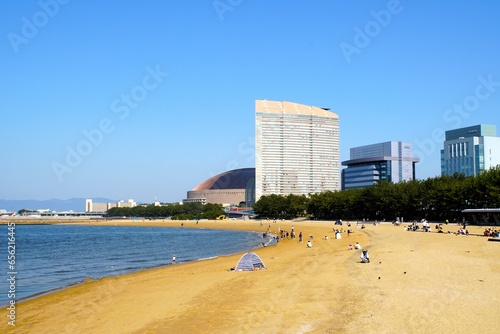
<point>416,283</point>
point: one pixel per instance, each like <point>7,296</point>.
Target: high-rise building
<point>470,150</point>
<point>296,149</point>
<point>392,161</point>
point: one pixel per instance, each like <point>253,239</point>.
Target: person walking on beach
<point>174,259</point>
<point>300,237</point>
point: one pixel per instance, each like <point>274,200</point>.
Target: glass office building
<point>470,150</point>
<point>296,149</point>
<point>391,161</point>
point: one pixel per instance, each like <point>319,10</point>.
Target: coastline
<point>86,273</point>
<point>417,282</point>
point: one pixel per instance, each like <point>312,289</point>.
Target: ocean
<point>50,257</point>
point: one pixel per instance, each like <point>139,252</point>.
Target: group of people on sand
<point>426,227</point>
<point>285,234</point>
<point>490,232</point>
<point>365,257</point>
<point>412,227</point>
<point>288,235</point>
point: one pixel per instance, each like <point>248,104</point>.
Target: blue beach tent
<point>250,261</point>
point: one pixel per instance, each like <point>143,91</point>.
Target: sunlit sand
<point>416,282</point>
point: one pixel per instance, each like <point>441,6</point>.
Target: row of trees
<point>437,198</point>
<point>175,211</point>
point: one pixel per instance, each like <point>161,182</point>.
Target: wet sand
<point>416,283</point>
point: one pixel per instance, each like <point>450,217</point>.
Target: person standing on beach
<point>174,259</point>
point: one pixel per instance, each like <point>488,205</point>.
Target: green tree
<point>23,211</point>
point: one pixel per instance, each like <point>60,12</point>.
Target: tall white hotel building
<point>296,149</point>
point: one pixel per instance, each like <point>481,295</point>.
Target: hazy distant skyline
<point>147,100</point>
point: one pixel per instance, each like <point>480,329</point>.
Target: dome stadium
<point>227,188</point>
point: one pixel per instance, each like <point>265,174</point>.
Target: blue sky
<point>147,99</point>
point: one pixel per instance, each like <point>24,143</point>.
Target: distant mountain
<point>72,204</point>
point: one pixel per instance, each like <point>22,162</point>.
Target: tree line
<point>439,198</point>
<point>186,211</point>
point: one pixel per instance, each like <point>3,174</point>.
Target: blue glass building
<point>470,150</point>
<point>391,161</point>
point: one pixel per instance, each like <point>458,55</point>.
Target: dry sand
<point>416,283</point>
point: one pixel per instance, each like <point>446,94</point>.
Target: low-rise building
<point>392,161</point>
<point>91,206</point>
<point>227,188</point>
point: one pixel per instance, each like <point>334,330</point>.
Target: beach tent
<point>250,261</point>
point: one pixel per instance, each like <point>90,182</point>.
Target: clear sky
<point>147,99</point>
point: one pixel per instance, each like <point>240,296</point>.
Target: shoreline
<point>87,279</point>
<point>303,290</point>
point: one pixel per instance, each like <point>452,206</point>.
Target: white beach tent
<point>250,261</point>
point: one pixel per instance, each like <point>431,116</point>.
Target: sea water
<point>50,257</point>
